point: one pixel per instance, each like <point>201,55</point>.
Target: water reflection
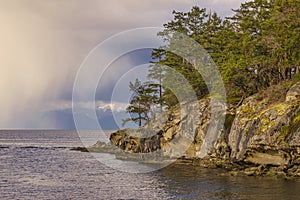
<point>188,181</point>
<point>58,173</point>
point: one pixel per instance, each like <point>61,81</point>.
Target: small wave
<point>34,147</point>
<point>37,147</point>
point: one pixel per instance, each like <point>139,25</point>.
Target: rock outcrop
<point>293,93</point>
<point>258,138</point>
<point>266,134</point>
<point>177,133</point>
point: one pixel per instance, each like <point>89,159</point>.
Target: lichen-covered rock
<point>264,135</point>
<point>293,93</point>
<point>178,132</point>
<point>257,125</point>
<point>268,134</point>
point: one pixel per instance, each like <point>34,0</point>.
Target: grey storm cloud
<point>43,43</point>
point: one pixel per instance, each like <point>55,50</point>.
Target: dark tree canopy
<point>254,49</point>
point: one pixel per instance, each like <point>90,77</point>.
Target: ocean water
<point>40,165</point>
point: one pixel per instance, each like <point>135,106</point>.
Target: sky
<point>44,43</point>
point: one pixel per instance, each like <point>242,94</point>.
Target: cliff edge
<point>261,137</point>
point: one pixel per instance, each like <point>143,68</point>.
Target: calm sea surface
<point>39,165</point>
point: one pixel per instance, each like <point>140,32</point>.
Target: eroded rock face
<point>293,93</point>
<point>179,132</point>
<point>257,132</point>
<point>268,136</point>
<point>256,125</point>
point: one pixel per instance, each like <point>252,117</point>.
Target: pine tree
<point>157,73</point>
<point>192,24</point>
<point>141,103</point>
<point>249,58</point>
<point>282,36</point>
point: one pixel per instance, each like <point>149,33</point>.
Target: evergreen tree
<point>254,49</point>
<point>193,24</point>
<point>157,73</point>
<point>140,103</point>
<point>282,36</point>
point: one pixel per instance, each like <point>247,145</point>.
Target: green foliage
<point>255,50</point>
<point>264,47</point>
<point>140,104</point>
<point>291,128</point>
<point>276,93</point>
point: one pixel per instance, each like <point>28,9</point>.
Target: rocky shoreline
<point>231,168</point>
<point>259,138</point>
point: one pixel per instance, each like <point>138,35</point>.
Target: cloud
<point>99,105</point>
<point>31,65</point>
<point>114,14</point>
<point>44,42</point>
<point>27,71</point>
<point>114,107</point>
